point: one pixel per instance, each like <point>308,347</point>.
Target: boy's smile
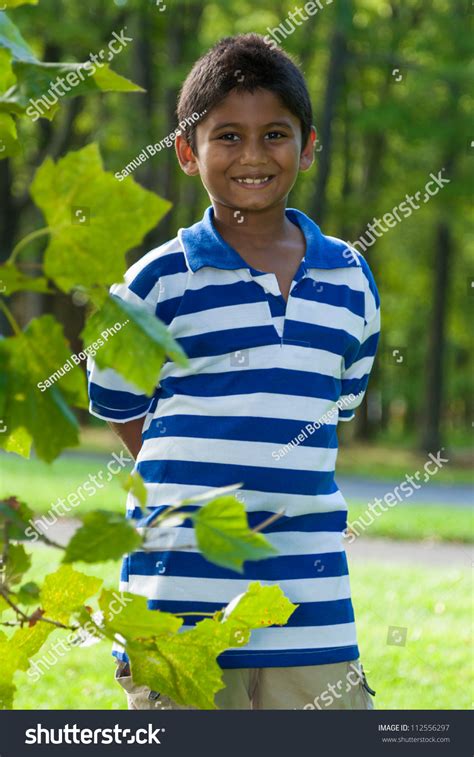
<point>248,151</point>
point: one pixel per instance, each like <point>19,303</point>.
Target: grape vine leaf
<point>104,535</point>
<point>4,606</point>
<point>224,537</point>
<point>15,653</point>
<point>65,591</point>
<point>17,514</point>
<point>149,337</point>
<point>133,620</point>
<point>94,220</point>
<point>30,639</point>
<point>9,144</point>
<point>7,4</point>
<point>11,39</point>
<point>14,280</point>
<point>34,80</point>
<point>27,402</point>
<point>18,562</point>
<point>184,666</point>
<point>7,77</point>
<point>13,659</point>
<point>260,606</point>
<point>134,484</point>
<point>28,594</point>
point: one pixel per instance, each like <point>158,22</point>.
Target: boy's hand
<point>131,434</point>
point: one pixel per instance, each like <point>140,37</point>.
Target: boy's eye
<point>229,137</point>
<point>275,134</point>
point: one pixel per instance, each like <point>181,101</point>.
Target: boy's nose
<point>253,153</point>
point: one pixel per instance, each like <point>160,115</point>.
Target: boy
<point>280,324</point>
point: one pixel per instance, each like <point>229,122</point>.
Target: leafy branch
<point>146,635</point>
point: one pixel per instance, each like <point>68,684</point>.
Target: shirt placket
<point>269,284</point>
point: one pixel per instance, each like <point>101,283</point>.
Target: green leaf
<point>9,144</point>
<point>17,441</point>
<point>35,79</point>
<point>104,535</point>
<point>224,537</point>
<point>107,80</point>
<point>4,607</point>
<point>18,562</point>
<point>89,213</point>
<point>65,591</point>
<point>36,95</point>
<point>260,606</point>
<point>136,486</point>
<point>142,330</point>
<point>14,280</point>
<point>7,77</point>
<point>11,39</point>
<point>131,618</point>
<point>28,594</point>
<point>13,659</point>
<point>33,401</point>
<point>183,666</point>
<point>30,639</point>
<point>15,3</point>
<point>15,654</point>
<point>49,351</point>
<point>17,515</point>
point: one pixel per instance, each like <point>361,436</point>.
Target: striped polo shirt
<point>259,403</point>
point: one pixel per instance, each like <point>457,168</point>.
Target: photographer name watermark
<point>313,426</point>
<point>78,357</point>
<point>151,150</point>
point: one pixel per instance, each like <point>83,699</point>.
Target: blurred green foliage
<point>390,86</point>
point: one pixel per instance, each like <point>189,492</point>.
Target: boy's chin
<point>255,204</point>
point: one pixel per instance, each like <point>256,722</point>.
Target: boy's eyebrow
<point>239,124</point>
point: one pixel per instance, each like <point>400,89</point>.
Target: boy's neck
<point>257,230</point>
<point>266,240</point>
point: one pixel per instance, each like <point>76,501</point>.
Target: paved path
<point>432,553</point>
<point>366,489</point>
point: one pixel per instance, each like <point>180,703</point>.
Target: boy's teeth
<point>253,181</point>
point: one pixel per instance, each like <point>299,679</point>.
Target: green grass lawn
<point>40,485</point>
<point>432,671</point>
<point>384,461</point>
<point>416,522</point>
<point>434,668</point>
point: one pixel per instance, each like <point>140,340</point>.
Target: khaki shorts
<point>340,686</point>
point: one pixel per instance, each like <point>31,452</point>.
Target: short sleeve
<point>111,397</point>
<point>358,365</point>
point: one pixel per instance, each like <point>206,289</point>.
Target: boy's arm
<point>130,433</point>
<point>357,367</point>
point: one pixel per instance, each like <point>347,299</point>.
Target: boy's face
<point>250,136</point>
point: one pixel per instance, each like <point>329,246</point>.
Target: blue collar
<point>204,246</point>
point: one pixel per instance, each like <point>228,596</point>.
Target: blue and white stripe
<point>260,371</point>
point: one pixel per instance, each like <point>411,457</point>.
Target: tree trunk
<point>434,386</point>
<point>335,77</point>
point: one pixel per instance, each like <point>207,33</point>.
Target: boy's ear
<point>307,153</point>
<point>187,159</point>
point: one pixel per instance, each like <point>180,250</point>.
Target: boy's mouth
<point>253,182</point>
